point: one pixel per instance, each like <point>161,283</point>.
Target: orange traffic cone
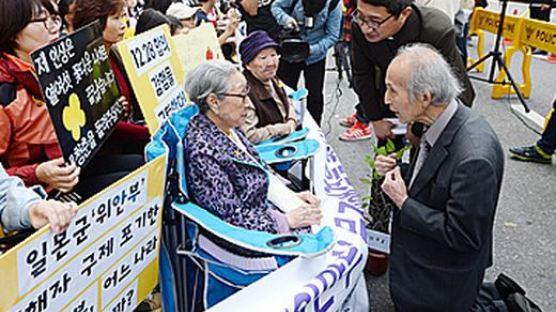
<point>551,59</point>
<point>507,41</point>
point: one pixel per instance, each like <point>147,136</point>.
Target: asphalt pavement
<point>524,243</point>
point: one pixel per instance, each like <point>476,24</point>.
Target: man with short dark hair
<point>380,28</point>
<point>442,230</point>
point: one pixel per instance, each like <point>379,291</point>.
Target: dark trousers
<point>289,73</point>
<point>536,13</point>
<point>547,142</point>
<point>360,114</point>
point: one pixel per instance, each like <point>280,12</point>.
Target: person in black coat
<point>442,231</point>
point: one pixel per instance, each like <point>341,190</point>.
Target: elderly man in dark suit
<point>442,232</point>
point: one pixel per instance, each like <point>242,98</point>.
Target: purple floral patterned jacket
<point>227,182</point>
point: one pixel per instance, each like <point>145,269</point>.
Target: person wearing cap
<point>185,13</point>
<point>270,112</point>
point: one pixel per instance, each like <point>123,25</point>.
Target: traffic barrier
<point>525,34</point>
<point>508,41</point>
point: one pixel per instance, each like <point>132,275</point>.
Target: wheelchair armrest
<point>278,153</point>
<point>306,245</point>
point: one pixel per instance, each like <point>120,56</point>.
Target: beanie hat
<point>254,43</point>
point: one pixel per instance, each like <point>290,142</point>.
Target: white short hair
<point>429,72</point>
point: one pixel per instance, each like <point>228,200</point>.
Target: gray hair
<point>429,72</point>
<point>208,77</point>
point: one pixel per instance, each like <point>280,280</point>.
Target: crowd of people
<point>406,65</point>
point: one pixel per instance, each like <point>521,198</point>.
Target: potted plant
<point>379,206</point>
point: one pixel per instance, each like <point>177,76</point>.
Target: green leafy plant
<point>379,204</point>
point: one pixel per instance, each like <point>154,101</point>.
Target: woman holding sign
<point>129,136</point>
<point>224,172</point>
<point>28,144</point>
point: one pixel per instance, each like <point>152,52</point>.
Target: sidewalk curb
<point>533,119</point>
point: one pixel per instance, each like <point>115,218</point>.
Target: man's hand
<point>394,187</point>
<point>546,7</point>
<point>384,164</point>
<point>383,129</point>
<point>58,214</point>
<point>57,175</point>
<point>291,23</point>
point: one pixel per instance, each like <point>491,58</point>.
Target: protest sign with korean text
<point>80,90</point>
<point>198,45</point>
<point>106,260</point>
<point>154,71</point>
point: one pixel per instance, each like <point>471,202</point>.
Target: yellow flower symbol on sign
<point>73,117</point>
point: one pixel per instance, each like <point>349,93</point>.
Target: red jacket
<point>27,136</point>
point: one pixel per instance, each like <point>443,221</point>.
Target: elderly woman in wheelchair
<point>225,174</point>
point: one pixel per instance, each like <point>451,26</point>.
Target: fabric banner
<point>333,281</point>
<point>198,45</point>
<point>81,92</point>
<point>106,260</point>
<point>155,73</point>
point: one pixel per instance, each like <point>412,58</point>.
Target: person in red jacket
<point>28,144</point>
<point>29,147</point>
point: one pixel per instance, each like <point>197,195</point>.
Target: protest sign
<point>198,45</point>
<point>80,91</point>
<point>154,71</point>
<point>106,260</point>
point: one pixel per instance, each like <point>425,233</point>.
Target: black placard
<point>80,91</point>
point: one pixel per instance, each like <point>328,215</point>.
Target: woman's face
<point>115,28</point>
<point>189,23</point>
<point>265,64</point>
<point>231,110</point>
<point>41,30</point>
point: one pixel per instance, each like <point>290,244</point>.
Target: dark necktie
<point>424,149</point>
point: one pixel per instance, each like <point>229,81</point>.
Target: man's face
<point>397,96</point>
<point>377,24</point>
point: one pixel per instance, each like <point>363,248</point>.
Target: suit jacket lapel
<point>439,151</point>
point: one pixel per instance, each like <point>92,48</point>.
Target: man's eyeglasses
<point>50,22</point>
<point>374,25</point>
<point>242,96</point>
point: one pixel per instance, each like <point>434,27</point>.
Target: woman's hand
<point>127,107</point>
<point>233,22</point>
<point>305,215</point>
<point>58,214</point>
<point>57,175</point>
